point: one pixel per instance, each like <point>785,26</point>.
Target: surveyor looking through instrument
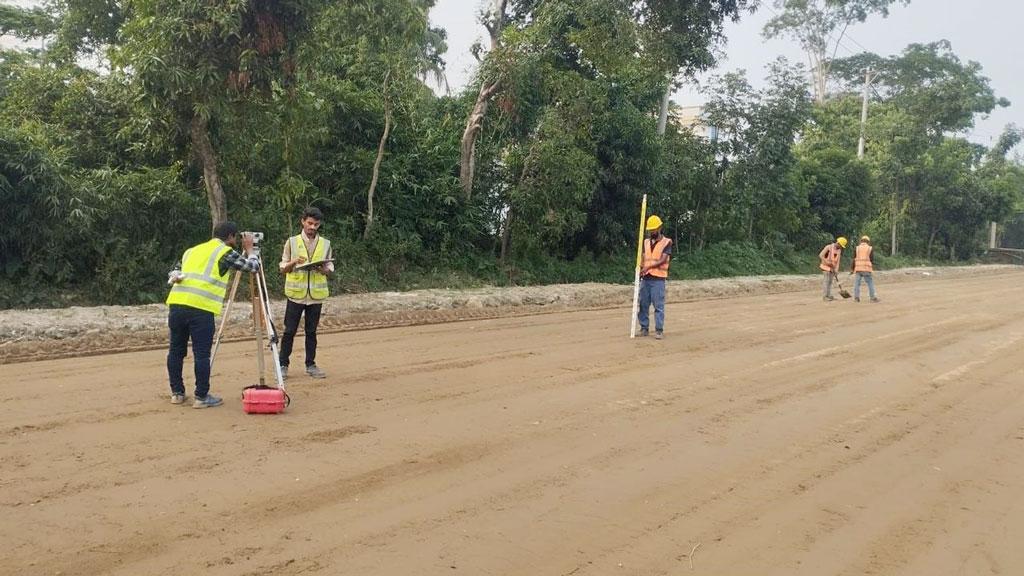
<point>198,289</point>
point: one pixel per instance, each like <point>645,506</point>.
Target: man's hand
<point>247,243</point>
<point>298,261</point>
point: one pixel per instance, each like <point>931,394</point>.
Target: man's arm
<point>288,264</point>
<point>233,260</point>
<point>666,255</point>
<point>328,267</point>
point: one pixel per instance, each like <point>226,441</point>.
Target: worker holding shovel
<point>829,264</point>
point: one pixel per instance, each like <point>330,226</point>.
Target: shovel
<point>842,292</point>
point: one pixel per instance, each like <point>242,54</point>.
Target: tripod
<point>262,320</point>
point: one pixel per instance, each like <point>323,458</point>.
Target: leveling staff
<point>306,289</point>
<point>197,294</point>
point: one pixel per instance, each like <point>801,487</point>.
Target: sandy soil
<point>770,435</point>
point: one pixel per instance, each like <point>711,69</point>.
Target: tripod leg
<point>257,322</point>
<point>236,276</point>
<point>268,318</point>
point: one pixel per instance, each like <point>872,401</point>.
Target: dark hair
<point>312,212</point>
<point>225,229</point>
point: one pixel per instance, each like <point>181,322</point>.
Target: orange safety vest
<point>652,253</point>
<point>832,257</point>
<point>862,259</point>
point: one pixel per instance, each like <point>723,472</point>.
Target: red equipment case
<point>264,400</point>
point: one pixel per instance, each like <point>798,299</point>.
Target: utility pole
<point>663,115</point>
<point>868,78</point>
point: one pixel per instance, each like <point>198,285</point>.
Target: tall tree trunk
<point>467,157</point>
<point>506,238</point>
<point>467,160</point>
<point>895,214</point>
<point>931,241</point>
<point>200,132</point>
<point>376,163</point>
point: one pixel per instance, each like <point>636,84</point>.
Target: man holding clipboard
<point>306,262</point>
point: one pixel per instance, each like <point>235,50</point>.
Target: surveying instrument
<point>262,317</point>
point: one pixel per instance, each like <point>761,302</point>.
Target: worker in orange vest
<point>863,266</point>
<point>653,277</point>
<point>829,264</point>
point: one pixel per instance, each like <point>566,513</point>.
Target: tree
<point>25,23</point>
<point>813,23</point>
<point>758,130</point>
<point>192,62</point>
<point>671,37</point>
<point>840,192</point>
<point>929,83</point>
<point>926,92</point>
<point>494,22</point>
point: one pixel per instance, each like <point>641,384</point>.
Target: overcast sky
<point>982,30</point>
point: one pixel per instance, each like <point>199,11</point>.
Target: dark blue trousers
<point>187,322</point>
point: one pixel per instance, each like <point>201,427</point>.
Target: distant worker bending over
<point>653,277</point>
<point>829,257</point>
<point>863,266</point>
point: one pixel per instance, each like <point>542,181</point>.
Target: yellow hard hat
<point>653,223</point>
<point>865,238</point>
<point>841,241</point>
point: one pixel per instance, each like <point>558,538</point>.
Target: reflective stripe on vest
<point>834,253</point>
<point>653,253</point>
<point>298,284</point>
<point>862,259</point>
<point>203,286</point>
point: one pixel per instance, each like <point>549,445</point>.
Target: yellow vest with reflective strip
<point>299,283</point>
<point>203,286</point>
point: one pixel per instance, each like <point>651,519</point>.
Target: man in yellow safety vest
<point>306,288</point>
<point>864,266</point>
<point>653,277</point>
<point>197,294</point>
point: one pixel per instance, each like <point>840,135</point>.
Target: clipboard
<point>313,264</point>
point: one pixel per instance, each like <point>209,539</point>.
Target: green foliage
<point>841,193</point>
<point>739,259</point>
<point>103,169</point>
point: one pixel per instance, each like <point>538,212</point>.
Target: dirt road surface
<point>774,435</point>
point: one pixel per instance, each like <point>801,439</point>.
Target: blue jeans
<point>867,278</point>
<point>652,292</point>
<point>185,322</point>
